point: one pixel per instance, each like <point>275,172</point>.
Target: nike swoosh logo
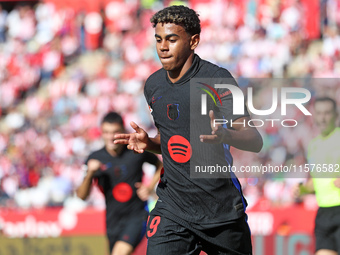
<point>153,100</point>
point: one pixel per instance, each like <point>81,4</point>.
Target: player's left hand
<point>136,142</point>
<point>143,191</point>
<point>217,133</point>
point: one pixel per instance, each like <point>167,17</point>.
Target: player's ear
<point>194,41</point>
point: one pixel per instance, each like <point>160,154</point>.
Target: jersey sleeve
<point>148,97</point>
<point>147,93</point>
<point>150,158</point>
<point>225,101</point>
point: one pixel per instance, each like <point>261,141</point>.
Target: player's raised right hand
<point>135,141</point>
<point>93,165</point>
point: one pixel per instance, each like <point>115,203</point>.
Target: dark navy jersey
<point>117,180</point>
<point>176,109</point>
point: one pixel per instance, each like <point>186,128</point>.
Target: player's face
<point>109,130</point>
<point>174,45</point>
<point>325,116</point>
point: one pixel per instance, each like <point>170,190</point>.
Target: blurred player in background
<point>192,214</point>
<point>325,150</point>
<point>118,173</point>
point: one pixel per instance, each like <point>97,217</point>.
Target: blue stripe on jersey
<point>227,154</point>
<point>226,147</point>
<point>229,159</point>
<point>237,185</point>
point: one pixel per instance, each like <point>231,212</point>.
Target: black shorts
<point>327,229</point>
<point>165,236</point>
<point>129,229</point>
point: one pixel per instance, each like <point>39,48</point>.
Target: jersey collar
<point>189,74</point>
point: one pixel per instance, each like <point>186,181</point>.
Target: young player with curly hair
<point>192,214</point>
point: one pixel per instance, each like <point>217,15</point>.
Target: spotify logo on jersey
<point>122,192</point>
<point>179,149</point>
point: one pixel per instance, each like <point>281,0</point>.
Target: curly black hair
<point>179,15</point>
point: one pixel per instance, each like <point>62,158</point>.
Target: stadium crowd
<point>55,86</point>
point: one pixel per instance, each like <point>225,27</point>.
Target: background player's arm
<point>308,187</point>
<point>156,176</point>
<point>154,144</point>
<point>301,189</point>
<point>140,140</point>
<point>84,188</point>
<point>337,182</point>
<point>144,191</point>
<point>243,136</point>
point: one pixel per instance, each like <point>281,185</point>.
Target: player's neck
<point>176,75</point>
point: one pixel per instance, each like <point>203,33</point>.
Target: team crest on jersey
<point>173,111</point>
<point>120,171</point>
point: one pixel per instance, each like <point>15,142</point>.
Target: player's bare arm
<point>144,191</point>
<point>337,182</point>
<point>301,189</point>
<point>139,141</point>
<point>243,137</point>
<point>84,189</point>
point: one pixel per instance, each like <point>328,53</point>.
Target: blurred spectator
<point>3,18</point>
